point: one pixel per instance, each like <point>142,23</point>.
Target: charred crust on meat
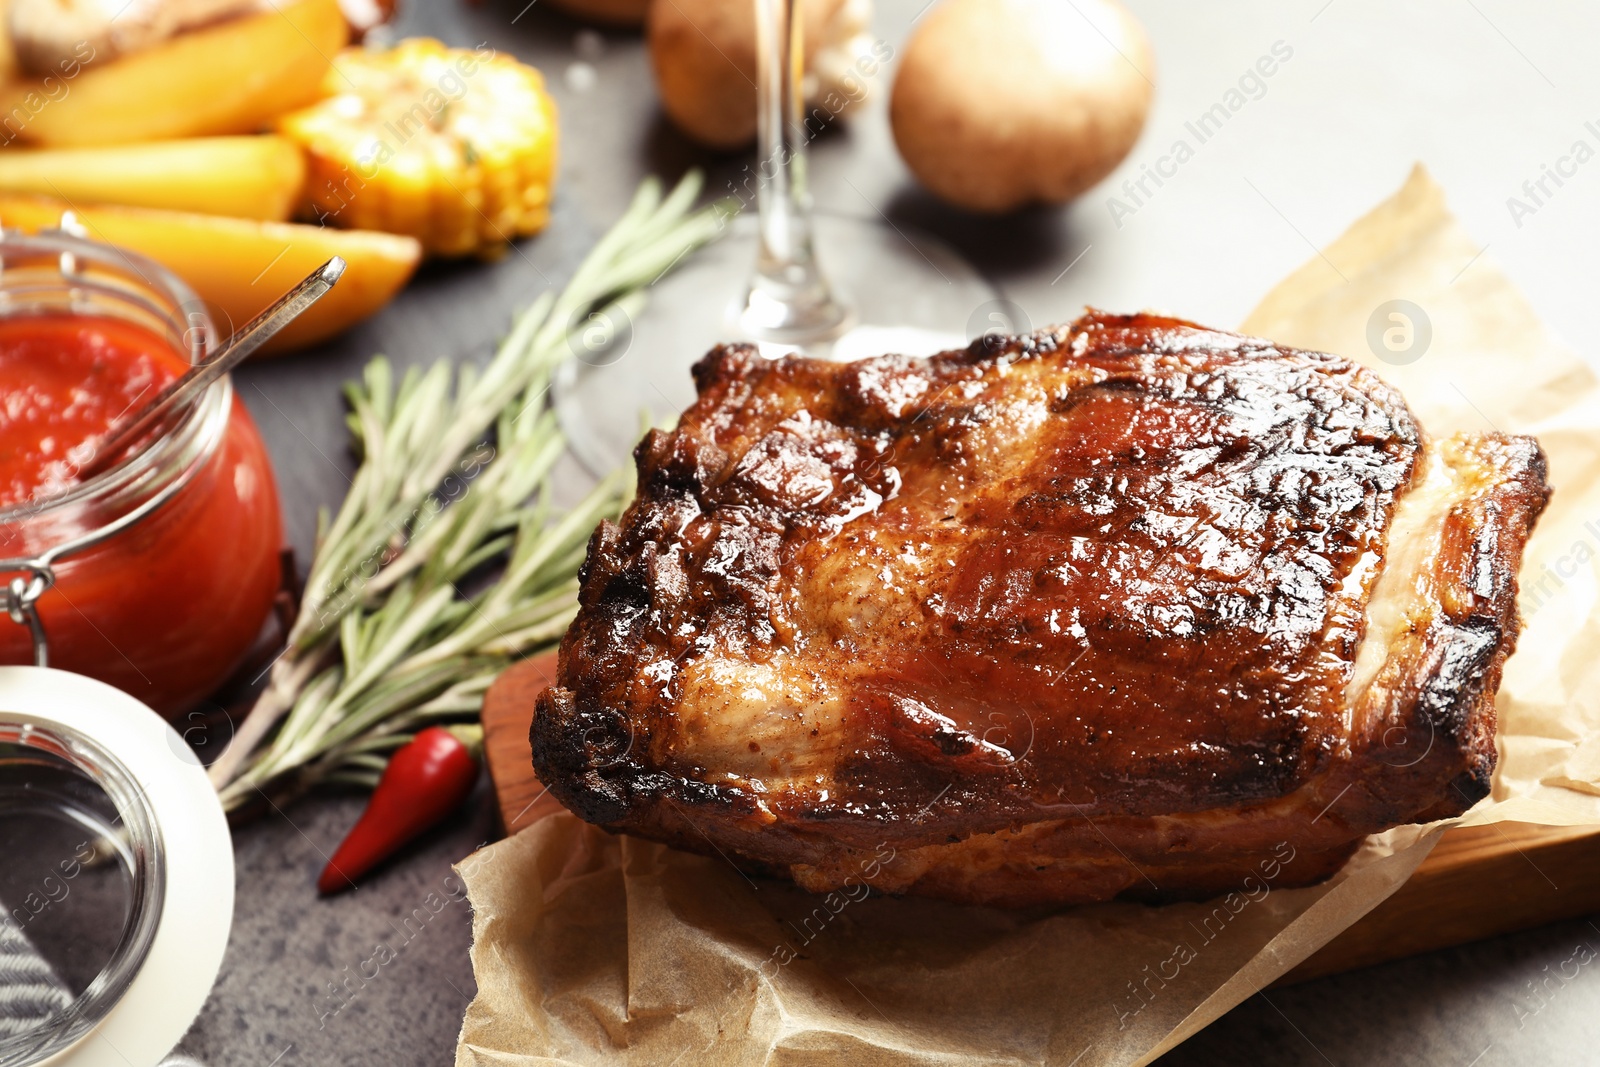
<point>583,757</point>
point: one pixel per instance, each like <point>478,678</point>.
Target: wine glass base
<point>907,293</point>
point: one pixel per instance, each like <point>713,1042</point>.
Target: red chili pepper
<point>427,778</point>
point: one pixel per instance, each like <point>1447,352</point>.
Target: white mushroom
<point>1001,103</point>
<point>704,55</point>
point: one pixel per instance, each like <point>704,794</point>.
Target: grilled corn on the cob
<point>454,147</point>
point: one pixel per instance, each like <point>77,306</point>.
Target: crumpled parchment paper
<point>597,949</point>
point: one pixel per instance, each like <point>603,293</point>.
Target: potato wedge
<point>247,177</point>
<point>48,33</point>
<point>8,51</point>
<point>233,77</point>
<point>239,266</point>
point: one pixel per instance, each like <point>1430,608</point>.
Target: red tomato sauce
<point>167,608</point>
<point>66,380</point>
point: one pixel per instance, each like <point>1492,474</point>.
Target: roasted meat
<point>1126,608</point>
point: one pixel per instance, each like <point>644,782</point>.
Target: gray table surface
<point>1484,91</point>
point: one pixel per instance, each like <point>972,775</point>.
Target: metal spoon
<point>255,333</point>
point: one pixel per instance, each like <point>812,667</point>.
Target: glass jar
<point>84,883</point>
<point>157,574</point>
<point>116,891</point>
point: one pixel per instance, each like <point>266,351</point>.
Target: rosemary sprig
<point>454,478</point>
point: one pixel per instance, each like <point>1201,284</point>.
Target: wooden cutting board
<point>1478,882</point>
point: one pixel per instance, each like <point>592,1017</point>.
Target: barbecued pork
<point>1125,608</point>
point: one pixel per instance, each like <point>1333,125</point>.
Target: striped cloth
<point>30,992</point>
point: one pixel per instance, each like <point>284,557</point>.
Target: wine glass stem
<point>789,298</point>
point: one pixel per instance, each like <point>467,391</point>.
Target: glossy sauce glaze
<point>165,609</point>
<point>1145,548</point>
